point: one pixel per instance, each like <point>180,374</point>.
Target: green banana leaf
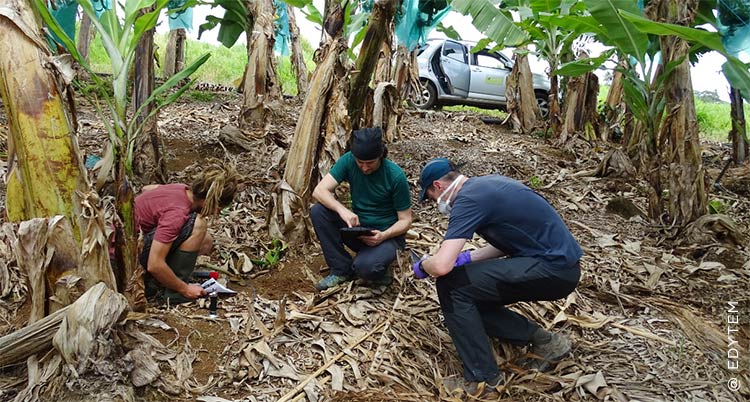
<point>620,32</point>
<point>583,66</point>
<point>738,75</point>
<point>491,21</point>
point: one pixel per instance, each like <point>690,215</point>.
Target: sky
<point>706,74</point>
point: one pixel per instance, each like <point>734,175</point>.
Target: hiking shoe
<point>331,281</point>
<point>483,388</point>
<point>543,354</point>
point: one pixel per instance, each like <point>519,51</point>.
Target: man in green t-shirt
<point>380,200</point>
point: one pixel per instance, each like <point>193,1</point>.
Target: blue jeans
<point>474,297</point>
<point>370,263</point>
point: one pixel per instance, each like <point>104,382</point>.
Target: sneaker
<point>543,354</point>
<point>331,281</point>
<point>478,389</point>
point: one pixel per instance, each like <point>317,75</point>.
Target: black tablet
<point>356,231</point>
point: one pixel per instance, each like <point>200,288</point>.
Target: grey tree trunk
<point>377,32</point>
<point>688,197</point>
<point>174,56</point>
<point>580,111</point>
<point>739,128</point>
<point>521,101</point>
<point>148,163</point>
<point>84,37</point>
<point>260,88</point>
<point>319,138</point>
<point>613,115</point>
<point>297,59</point>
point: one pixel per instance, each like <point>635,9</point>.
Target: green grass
<point>714,120</point>
<point>224,67</point>
<point>487,112</point>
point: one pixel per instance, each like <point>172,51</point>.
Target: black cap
<point>367,143</point>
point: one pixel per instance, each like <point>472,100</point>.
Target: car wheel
<point>427,96</point>
<point>542,100</point>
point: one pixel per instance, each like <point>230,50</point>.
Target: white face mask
<point>444,206</point>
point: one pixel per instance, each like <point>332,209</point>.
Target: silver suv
<point>451,75</point>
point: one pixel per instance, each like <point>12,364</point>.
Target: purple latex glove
<point>463,258</point>
<point>417,268</point>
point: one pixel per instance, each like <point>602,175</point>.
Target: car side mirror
<point>509,65</point>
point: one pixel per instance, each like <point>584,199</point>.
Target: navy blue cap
<point>367,143</point>
<point>433,170</point>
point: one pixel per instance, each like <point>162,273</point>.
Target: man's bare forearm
<point>485,253</point>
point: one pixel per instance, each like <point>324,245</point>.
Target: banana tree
<point>539,24</point>
<point>320,138</point>
<point>260,87</point>
<point>46,177</point>
<point>376,34</point>
<point>540,19</point>
<point>495,21</point>
<point>519,92</point>
<point>660,87</point>
<point>297,56</point>
<point>736,72</point>
<point>120,38</point>
<point>148,164</point>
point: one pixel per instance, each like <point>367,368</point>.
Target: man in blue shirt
<point>540,263</point>
<point>380,200</point>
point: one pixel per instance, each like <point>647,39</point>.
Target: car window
<point>489,60</point>
<point>454,51</point>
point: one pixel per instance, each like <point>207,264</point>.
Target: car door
<point>455,65</point>
<point>489,72</point>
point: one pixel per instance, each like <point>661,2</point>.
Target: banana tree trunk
<point>519,93</point>
<point>612,116</point>
<point>554,105</point>
<point>402,68</point>
<point>688,197</point>
<point>319,139</point>
<point>377,33</point>
<point>406,74</point>
<point>260,90</point>
<point>174,56</point>
<point>384,70</point>
<point>579,111</point>
<point>128,272</point>
<point>739,128</point>
<point>298,59</point>
<point>148,160</point>
<point>83,43</point>
<point>46,176</point>
<point>45,172</point>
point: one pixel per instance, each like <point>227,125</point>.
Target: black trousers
<point>474,297</point>
<point>370,263</point>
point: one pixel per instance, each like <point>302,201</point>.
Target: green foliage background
<point>226,66</point>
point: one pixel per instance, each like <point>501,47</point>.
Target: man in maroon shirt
<point>173,219</point>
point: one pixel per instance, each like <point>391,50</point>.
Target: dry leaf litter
<point>648,320</point>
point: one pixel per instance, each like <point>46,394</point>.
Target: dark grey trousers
<point>181,262</point>
<point>474,299</point>
<point>370,263</point>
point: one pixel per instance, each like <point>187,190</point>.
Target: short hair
<point>216,184</point>
<point>450,176</point>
